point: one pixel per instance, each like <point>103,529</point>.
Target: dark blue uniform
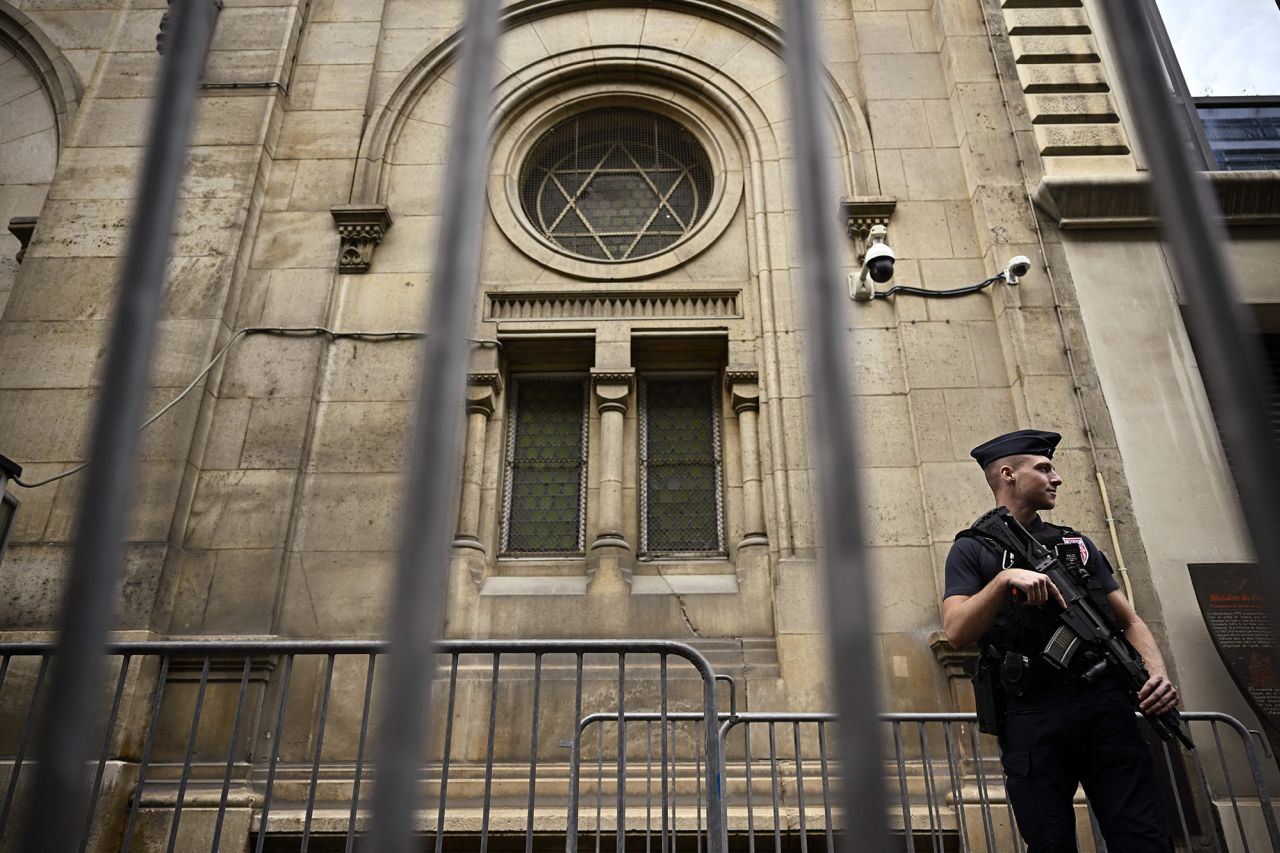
<point>1063,733</point>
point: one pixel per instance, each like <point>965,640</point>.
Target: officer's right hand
<point>1034,587</point>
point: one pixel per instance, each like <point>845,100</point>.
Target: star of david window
<point>615,185</point>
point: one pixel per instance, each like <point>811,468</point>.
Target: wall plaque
<point>1246,632</point>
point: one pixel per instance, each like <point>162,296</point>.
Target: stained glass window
<point>615,185</point>
<point>680,486</point>
<point>546,466</point>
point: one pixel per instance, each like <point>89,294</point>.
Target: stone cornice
<point>612,304</point>
<point>1124,201</point>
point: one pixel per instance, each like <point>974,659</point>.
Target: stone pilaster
<point>609,549</point>
<point>482,392</point>
<point>744,391</point>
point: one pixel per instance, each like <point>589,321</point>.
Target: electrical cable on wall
<point>285,331</point>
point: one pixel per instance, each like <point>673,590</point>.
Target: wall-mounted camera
<point>1018,266</point>
<point>877,266</point>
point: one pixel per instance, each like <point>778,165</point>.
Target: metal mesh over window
<point>615,185</point>
<point>546,466</point>
<point>681,503</point>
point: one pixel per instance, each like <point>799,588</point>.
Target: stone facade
<point>269,497</point>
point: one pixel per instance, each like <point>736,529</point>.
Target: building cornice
<point>1124,201</point>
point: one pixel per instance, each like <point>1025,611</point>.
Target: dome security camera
<point>879,263</point>
<point>1017,267</point>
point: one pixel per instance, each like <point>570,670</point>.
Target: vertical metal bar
<point>930,790</point>
<point>21,754</point>
<point>777,795</point>
<point>697,796</point>
<point>834,426</point>
<point>364,728</point>
<point>4,670</point>
<point>533,751</point>
<point>1206,797</point>
<point>315,762</point>
<point>826,786</point>
<point>751,822</point>
<point>804,823</point>
<point>662,725</point>
<point>984,797</point>
<point>487,804</point>
<point>675,786</point>
<point>277,735</point>
<point>106,748</point>
<point>145,761</point>
<point>186,761</point>
<point>231,754</point>
<point>957,790</point>
<point>648,786</point>
<point>717,829</point>
<point>1228,348</point>
<point>621,815</point>
<point>599,783</point>
<point>448,751</point>
<point>902,787</point>
<point>575,764</point>
<point>426,528</point>
<point>97,551</point>
<point>1177,796</point>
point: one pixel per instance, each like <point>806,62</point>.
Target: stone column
<point>744,390</point>
<point>610,549</point>
<point>482,391</point>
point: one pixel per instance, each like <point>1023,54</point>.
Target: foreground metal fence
<point>1228,353</point>
<point>263,745</point>
<point>600,746</point>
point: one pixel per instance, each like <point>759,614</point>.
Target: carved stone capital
<point>612,388</point>
<point>481,400</point>
<point>859,214</point>
<point>955,663</point>
<point>744,389</point>
<point>22,227</point>
<point>361,227</point>
<point>485,379</point>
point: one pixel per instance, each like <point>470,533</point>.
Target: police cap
<point>1035,442</point>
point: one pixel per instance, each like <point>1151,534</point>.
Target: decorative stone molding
<point>22,227</point>
<point>361,227</point>
<point>620,305</point>
<point>744,389</point>
<point>1124,201</point>
<point>860,214</point>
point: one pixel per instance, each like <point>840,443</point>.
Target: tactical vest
<point>1022,629</point>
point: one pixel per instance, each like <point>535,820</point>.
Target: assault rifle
<point>1083,626</point>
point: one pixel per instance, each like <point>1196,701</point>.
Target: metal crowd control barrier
<point>262,745</point>
<point>943,782</point>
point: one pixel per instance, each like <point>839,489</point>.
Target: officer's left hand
<point>1157,695</point>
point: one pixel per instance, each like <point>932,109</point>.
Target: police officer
<point>1056,730</point>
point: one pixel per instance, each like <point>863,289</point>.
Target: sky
<point>1226,47</point>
